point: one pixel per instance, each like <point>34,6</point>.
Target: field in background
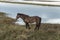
<point>11,31</point>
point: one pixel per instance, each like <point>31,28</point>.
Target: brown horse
<point>27,19</point>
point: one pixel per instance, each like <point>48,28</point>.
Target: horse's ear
<point>18,13</point>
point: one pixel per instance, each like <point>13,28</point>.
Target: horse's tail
<point>39,21</point>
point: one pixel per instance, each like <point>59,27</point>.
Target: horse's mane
<point>22,14</point>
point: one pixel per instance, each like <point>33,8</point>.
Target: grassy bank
<point>11,31</point>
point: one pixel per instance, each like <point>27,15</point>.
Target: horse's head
<point>19,15</point>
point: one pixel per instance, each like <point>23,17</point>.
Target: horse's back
<point>36,17</point>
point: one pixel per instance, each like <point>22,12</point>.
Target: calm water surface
<point>47,13</point>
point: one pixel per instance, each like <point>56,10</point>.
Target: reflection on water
<point>47,13</point>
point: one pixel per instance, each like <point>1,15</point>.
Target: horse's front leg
<point>27,26</point>
<point>36,27</point>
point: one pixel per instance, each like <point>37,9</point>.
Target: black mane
<point>22,14</point>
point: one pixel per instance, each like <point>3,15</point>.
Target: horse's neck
<point>24,17</point>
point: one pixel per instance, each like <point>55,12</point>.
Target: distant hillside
<point>11,31</point>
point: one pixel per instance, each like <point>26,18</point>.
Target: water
<point>47,13</point>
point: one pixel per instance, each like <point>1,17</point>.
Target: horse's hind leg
<point>37,27</point>
<point>38,24</point>
<point>27,26</point>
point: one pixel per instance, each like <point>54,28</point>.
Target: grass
<point>11,31</point>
